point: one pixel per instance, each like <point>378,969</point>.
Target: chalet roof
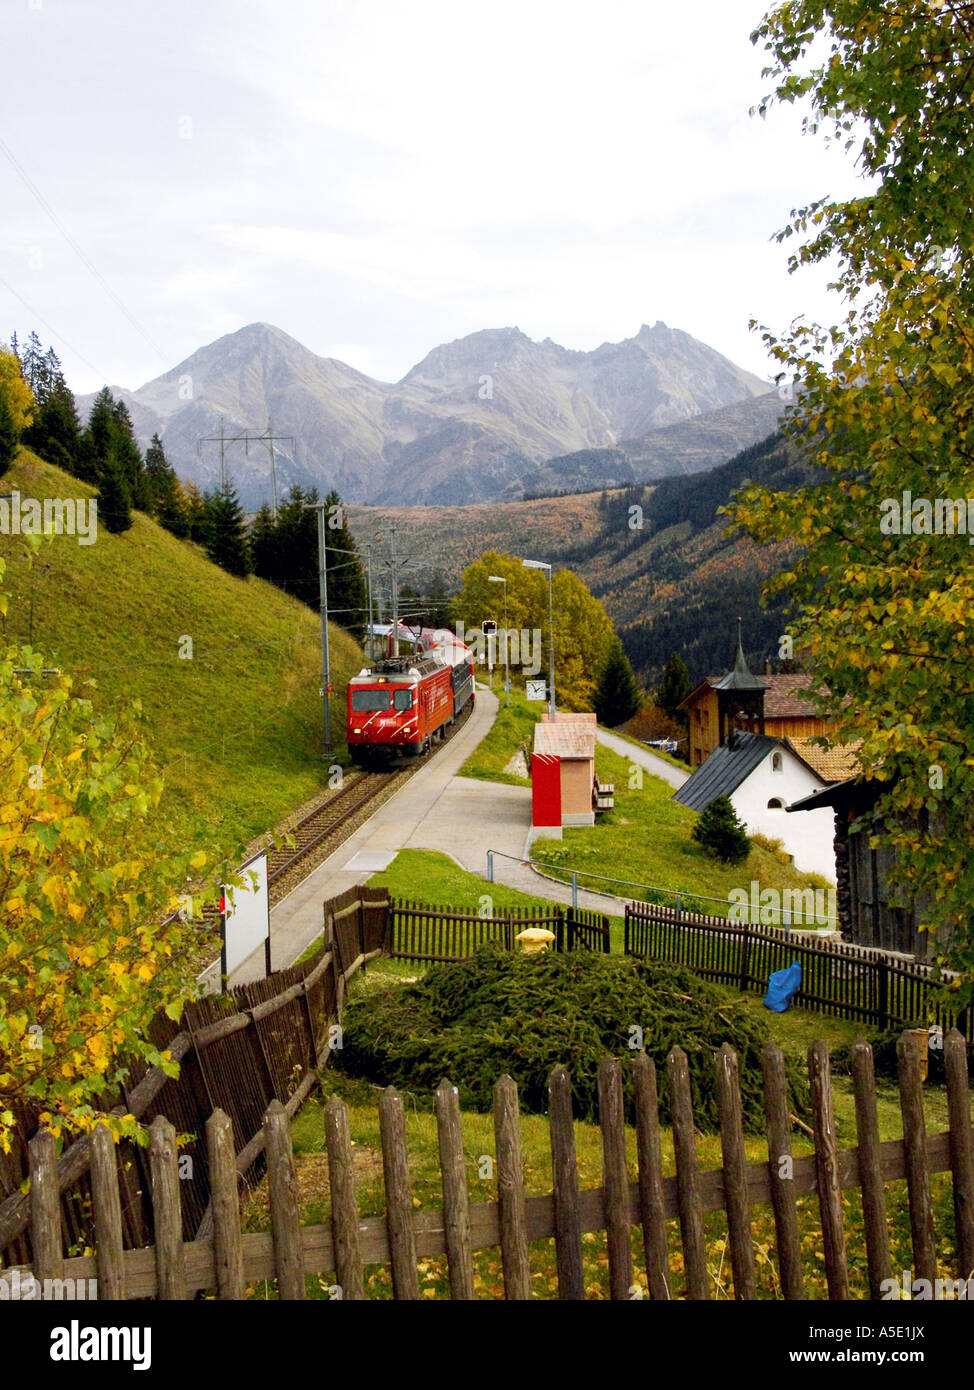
<point>783,701</point>
<point>571,736</point>
<point>726,768</point>
<point>835,764</point>
<point>856,793</point>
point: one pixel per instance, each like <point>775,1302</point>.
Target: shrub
<point>502,1012</point>
<point>721,833</point>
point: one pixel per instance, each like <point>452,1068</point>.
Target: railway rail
<point>326,826</point>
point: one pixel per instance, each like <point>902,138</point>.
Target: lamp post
<point>499,579</point>
<point>543,565</point>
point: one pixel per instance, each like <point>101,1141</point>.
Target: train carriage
<point>401,705</point>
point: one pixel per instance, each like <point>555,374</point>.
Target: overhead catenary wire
<point>92,269</point>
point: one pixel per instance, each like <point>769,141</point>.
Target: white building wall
<point>807,835</point>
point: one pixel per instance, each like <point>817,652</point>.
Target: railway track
<point>326,826</point>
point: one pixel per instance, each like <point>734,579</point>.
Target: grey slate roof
<point>724,771</point>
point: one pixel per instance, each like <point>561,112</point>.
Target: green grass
<point>512,729</point>
<point>237,729</point>
<point>795,1030</point>
<point>646,838</point>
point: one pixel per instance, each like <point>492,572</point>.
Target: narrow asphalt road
<point>437,810</point>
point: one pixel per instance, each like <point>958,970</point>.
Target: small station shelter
<point>563,784</point>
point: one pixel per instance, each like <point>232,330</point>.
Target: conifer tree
<point>618,696</point>
<point>114,498</point>
<point>9,439</point>
<point>347,595</point>
<point>721,833</point>
<point>674,688</point>
<point>168,502</point>
<point>226,541</point>
<point>55,432</point>
<point>130,458</point>
<point>264,544</point>
<point>195,508</point>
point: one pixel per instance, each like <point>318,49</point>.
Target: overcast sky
<point>376,177</point>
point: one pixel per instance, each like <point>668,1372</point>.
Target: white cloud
<point>388,176</point>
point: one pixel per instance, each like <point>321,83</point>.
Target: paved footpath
<point>438,810</point>
<point>434,809</point>
<point>645,757</point>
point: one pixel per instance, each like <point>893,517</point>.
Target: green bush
<point>721,833</point>
<point>502,1012</point>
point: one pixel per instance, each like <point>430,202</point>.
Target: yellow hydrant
<point>535,939</point>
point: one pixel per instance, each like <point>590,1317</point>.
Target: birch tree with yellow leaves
<point>884,589</point>
<point>86,957</point>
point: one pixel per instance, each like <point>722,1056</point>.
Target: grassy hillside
<point>238,728</point>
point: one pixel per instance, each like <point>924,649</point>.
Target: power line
<point>85,261</point>
<point>51,329</point>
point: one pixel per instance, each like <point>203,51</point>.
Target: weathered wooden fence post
<point>45,1207</point>
<point>344,1203</point>
<point>107,1212</point>
<point>515,1261</point>
<point>870,1167</point>
<point>399,1201</point>
<point>652,1206</point>
<point>456,1206</point>
<point>961,1147</point>
<point>564,1173</point>
<point>167,1211</point>
<point>225,1206</point>
<point>915,1147</point>
<point>735,1173</point>
<point>285,1217</point>
<point>615,1180</point>
<point>687,1181</point>
<point>781,1172</point>
<point>827,1172</point>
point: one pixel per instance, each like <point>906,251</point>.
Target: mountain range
<point>492,415</point>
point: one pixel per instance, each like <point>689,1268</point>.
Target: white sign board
<point>537,690</point>
<point>246,914</point>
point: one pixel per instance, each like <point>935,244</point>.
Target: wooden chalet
<point>871,912</point>
<point>767,704</point>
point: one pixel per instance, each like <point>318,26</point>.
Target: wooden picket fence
<point>424,933</point>
<point>237,1051</point>
<point>226,1260</point>
<point>838,979</point>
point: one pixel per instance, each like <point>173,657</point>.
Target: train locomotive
<point>400,705</point>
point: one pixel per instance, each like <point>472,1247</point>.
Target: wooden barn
<point>871,912</point>
<point>765,704</point>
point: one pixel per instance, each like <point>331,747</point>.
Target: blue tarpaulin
<point>782,987</point>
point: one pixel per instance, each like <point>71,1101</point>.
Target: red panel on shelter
<point>546,789</point>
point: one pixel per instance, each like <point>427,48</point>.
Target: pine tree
<point>721,833</point>
<point>9,440</point>
<point>55,432</point>
<point>264,544</point>
<point>226,542</point>
<point>618,696</point>
<point>114,498</point>
<point>130,458</point>
<point>196,515</point>
<point>674,688</point>
<point>347,594</point>
<point>168,502</point>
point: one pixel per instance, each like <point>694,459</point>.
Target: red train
<point>401,705</point>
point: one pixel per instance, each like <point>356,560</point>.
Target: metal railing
<point>682,896</point>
